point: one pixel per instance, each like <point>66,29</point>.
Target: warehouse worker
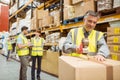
<point>37,53</point>
<point>97,45</point>
<point>9,47</point>
<point>23,51</point>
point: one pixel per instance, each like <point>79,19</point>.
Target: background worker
<point>9,47</point>
<point>23,51</point>
<point>37,53</point>
<point>97,45</point>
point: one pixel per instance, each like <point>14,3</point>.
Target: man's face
<point>90,22</point>
<point>26,31</point>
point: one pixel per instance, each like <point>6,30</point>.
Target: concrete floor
<point>9,70</point>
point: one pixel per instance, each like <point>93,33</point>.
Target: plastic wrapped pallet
<point>72,68</point>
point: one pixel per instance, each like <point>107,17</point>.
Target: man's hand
<point>99,58</point>
<point>79,49</point>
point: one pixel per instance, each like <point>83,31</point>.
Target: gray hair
<point>91,13</point>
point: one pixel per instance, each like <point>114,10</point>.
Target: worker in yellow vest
<point>9,47</point>
<point>23,51</point>
<point>97,45</point>
<point>37,53</point>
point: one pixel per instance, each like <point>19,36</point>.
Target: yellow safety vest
<point>9,45</point>
<point>37,49</point>
<point>93,37</point>
<point>23,51</point>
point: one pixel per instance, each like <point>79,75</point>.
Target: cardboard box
<point>47,20</point>
<point>114,48</point>
<point>113,40</point>
<point>67,2</point>
<point>113,31</point>
<point>82,7</point>
<point>72,68</point>
<point>40,23</point>
<point>76,1</point>
<point>104,5</point>
<point>115,56</point>
<point>42,13</point>
<point>69,12</point>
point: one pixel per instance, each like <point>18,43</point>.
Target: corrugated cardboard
<point>115,56</point>
<point>72,68</point>
<point>67,2</point>
<point>113,40</point>
<point>114,48</point>
<point>82,7</point>
<point>40,23</point>
<point>113,31</point>
<point>42,13</point>
<point>47,20</point>
<point>69,12</point>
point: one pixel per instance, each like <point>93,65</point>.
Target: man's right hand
<point>79,49</point>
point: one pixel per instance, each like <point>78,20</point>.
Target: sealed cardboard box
<point>113,31</point>
<point>72,68</point>
<point>115,56</point>
<point>114,48</point>
<point>69,12</point>
<point>113,40</point>
<point>47,20</point>
<point>82,7</point>
<point>42,13</point>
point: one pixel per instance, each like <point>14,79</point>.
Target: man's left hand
<point>99,58</point>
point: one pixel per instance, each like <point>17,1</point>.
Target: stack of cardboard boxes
<point>113,41</point>
<point>44,18</point>
<point>76,8</point>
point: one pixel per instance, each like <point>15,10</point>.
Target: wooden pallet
<point>73,20</point>
<point>47,26</point>
<point>109,12</point>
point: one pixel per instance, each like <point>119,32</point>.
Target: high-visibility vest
<point>37,49</point>
<point>9,45</point>
<point>23,51</point>
<point>78,35</point>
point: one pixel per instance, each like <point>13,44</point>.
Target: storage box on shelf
<point>115,56</point>
<point>72,68</point>
<point>104,5</point>
<point>113,41</point>
<point>78,9</point>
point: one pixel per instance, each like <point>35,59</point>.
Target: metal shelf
<point>21,9</point>
<point>105,19</point>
